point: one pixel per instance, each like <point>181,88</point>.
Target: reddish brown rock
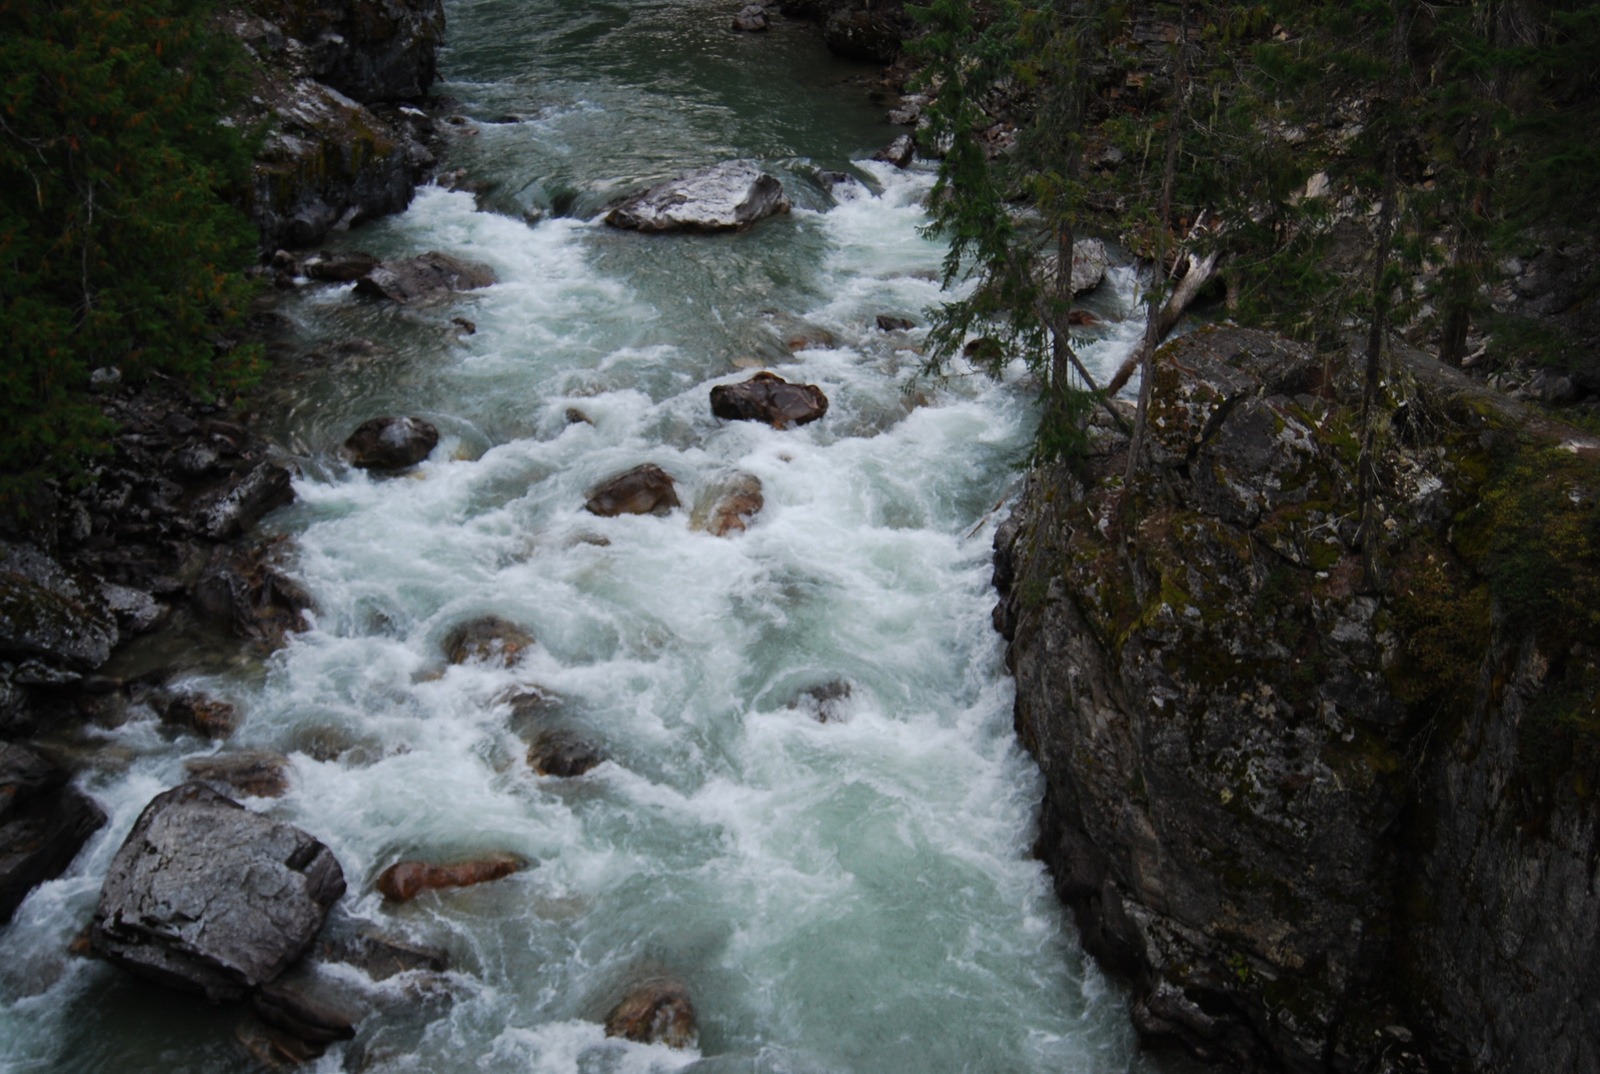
<point>644,490</point>
<point>655,1011</point>
<point>489,639</point>
<point>728,507</point>
<point>256,773</point>
<point>563,754</point>
<point>405,880</point>
<point>769,398</point>
<point>205,716</point>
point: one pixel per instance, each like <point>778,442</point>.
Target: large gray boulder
<point>207,896</point>
<point>723,197</point>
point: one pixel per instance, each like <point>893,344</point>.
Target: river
<point>848,894</point>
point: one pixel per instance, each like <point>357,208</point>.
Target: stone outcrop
<point>329,81</point>
<point>207,896</point>
<point>722,197</point>
<point>1326,808</point>
<point>768,398</point>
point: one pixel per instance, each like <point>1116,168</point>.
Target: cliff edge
<point>1324,815</point>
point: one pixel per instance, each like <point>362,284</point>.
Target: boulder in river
<point>405,880</point>
<point>43,823</point>
<point>489,639</point>
<point>256,773</point>
<point>643,490</point>
<point>728,506</point>
<point>1089,264</point>
<point>338,267</point>
<point>900,152</point>
<point>752,18</point>
<point>207,896</point>
<point>563,754</point>
<point>390,443</point>
<point>428,276</point>
<point>308,1006</point>
<point>655,1011</point>
<point>768,397</point>
<point>733,194</point>
<point>205,716</point>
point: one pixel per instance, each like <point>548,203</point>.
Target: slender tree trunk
<point>1377,328</point>
<point>1169,173</point>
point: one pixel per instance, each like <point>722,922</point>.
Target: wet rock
<point>48,614</point>
<point>390,443</point>
<point>842,185</point>
<point>578,417</point>
<point>728,506</point>
<point>239,505</point>
<point>487,640</point>
<point>405,880</point>
<point>205,716</point>
<point>253,773</point>
<point>752,18</point>
<point>271,1047</point>
<point>308,1007</point>
<point>137,612</point>
<point>562,754</point>
<point>370,52</point>
<point>887,323</point>
<point>207,896</point>
<point>769,398</point>
<point>245,591</point>
<point>644,490</point>
<point>826,703</point>
<point>873,36</point>
<point>655,1011</point>
<point>43,823</point>
<point>378,955</point>
<point>429,276</point>
<point>900,152</point>
<point>723,197</point>
<point>345,267</point>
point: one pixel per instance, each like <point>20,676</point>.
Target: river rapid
<point>848,893</point>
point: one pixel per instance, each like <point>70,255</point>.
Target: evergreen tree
<point>117,247</point>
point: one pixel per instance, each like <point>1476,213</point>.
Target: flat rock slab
<point>723,197</point>
<point>428,276</point>
<point>207,896</point>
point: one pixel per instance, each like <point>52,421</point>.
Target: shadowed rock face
<point>723,197</point>
<point>405,880</point>
<point>206,896</point>
<point>370,50</point>
<point>43,823</point>
<point>655,1011</point>
<point>769,398</point>
<point>428,275</point>
<point>644,490</point>
<point>1291,802</point>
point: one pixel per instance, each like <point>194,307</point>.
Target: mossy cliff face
<point>327,77</point>
<point>1322,818</point>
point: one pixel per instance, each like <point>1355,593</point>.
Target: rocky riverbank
<point>1325,811</point>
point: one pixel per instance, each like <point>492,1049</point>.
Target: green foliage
<point>117,247</point>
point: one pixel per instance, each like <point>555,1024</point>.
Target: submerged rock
<point>487,640</point>
<point>43,823</point>
<point>255,773</point>
<point>390,443</point>
<point>644,490</point>
<point>207,896</point>
<point>405,880</point>
<point>733,194</point>
<point>728,506</point>
<point>429,275</point>
<point>205,716</point>
<point>769,398</point>
<point>655,1011</point>
<point>563,754</point>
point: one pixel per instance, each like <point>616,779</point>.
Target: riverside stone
<point>769,398</point>
<point>644,490</point>
<point>43,823</point>
<point>489,639</point>
<point>206,896</point>
<point>723,197</point>
<point>405,880</point>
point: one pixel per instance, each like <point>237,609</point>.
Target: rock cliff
<point>1327,809</point>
